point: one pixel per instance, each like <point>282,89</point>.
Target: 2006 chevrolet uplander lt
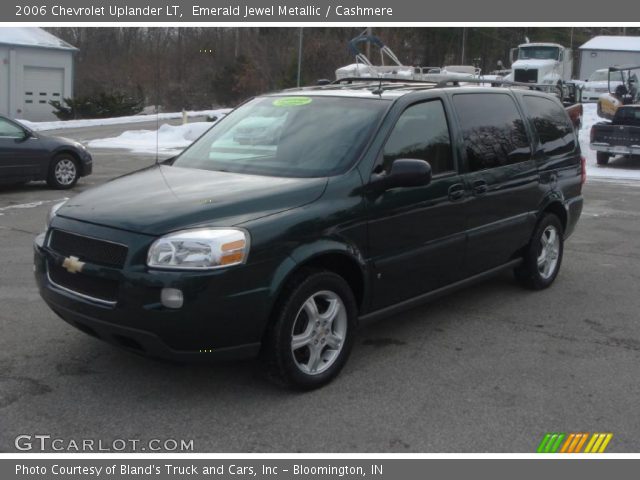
<point>304,211</point>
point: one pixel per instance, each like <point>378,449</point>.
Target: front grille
<point>94,287</point>
<point>526,76</point>
<point>88,249</point>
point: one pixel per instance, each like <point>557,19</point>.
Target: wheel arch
<point>556,206</point>
<point>72,153</point>
<point>341,258</point>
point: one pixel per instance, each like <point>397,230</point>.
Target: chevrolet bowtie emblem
<point>72,264</point>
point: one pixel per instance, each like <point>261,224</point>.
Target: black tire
<point>529,273</point>
<point>602,158</point>
<point>64,172</point>
<point>285,364</point>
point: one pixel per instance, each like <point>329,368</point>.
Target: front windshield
<point>600,76</point>
<point>288,136</point>
<point>538,53</point>
<point>603,76</point>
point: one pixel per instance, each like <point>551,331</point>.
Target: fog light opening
<point>171,298</point>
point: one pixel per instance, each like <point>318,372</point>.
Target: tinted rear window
<point>552,125</point>
<point>493,130</point>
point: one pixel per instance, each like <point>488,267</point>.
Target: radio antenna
<point>157,98</point>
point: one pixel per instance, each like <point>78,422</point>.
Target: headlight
<point>200,249</point>
<point>54,209</point>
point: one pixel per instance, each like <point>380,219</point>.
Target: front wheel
<point>543,257</point>
<point>63,172</point>
<point>313,330</point>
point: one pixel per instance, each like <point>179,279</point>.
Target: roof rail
<point>455,82</point>
<point>381,79</point>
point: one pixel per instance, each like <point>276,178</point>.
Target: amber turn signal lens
<point>231,258</point>
<point>236,245</point>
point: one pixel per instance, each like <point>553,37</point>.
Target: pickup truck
<point>621,136</point>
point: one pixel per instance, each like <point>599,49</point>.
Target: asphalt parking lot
<point>489,369</point>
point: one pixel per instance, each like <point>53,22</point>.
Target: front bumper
<point>223,316</point>
<point>591,96</point>
<point>87,164</point>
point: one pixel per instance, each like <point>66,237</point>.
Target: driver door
<point>417,234</point>
<point>17,159</point>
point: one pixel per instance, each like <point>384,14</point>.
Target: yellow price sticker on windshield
<point>291,101</point>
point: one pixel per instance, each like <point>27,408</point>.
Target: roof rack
<point>619,68</point>
<point>446,82</point>
<point>492,82</point>
<point>380,79</point>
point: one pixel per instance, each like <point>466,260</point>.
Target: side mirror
<point>27,134</point>
<point>405,172</point>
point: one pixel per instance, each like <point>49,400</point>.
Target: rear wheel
<point>63,172</point>
<point>543,257</point>
<point>602,158</point>
<point>313,330</point>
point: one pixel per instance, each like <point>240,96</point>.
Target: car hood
<point>162,199</point>
<point>602,84</point>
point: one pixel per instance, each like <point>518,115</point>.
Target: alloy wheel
<point>65,172</point>
<point>319,332</point>
<point>549,252</point>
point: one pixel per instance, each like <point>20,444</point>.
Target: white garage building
<point>607,51</point>
<point>35,67</point>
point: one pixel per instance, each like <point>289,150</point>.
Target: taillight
<point>583,168</point>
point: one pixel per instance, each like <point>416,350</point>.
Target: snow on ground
<point>94,122</point>
<point>168,139</point>
<point>619,168</point>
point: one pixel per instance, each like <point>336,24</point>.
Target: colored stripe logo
<point>574,442</point>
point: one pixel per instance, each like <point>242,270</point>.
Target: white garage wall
<point>4,80</point>
<point>12,77</point>
<point>604,59</point>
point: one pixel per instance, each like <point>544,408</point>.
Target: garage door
<point>40,86</point>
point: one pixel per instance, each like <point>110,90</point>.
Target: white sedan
<point>598,84</point>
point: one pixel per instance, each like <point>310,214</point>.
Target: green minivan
<point>305,211</point>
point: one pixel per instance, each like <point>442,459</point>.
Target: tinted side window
<point>550,121</point>
<point>422,133</point>
<point>493,130</point>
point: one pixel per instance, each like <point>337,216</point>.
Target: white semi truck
<point>543,64</point>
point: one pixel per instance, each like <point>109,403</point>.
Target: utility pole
<point>300,57</point>
<point>464,41</point>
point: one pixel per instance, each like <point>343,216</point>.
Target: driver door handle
<point>456,192</point>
